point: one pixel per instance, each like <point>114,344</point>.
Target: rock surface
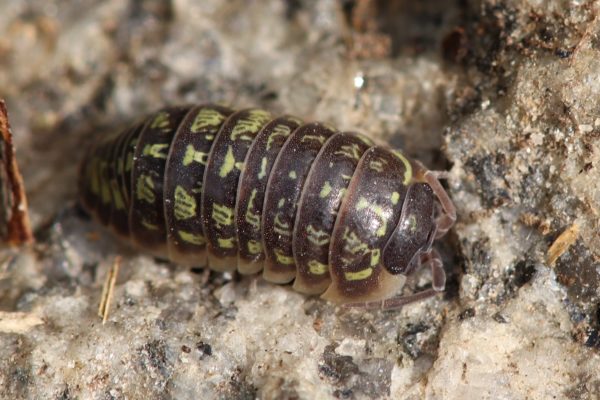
<point>504,93</point>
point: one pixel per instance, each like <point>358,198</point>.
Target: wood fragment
<point>15,228</point>
<point>108,289</point>
<point>562,243</point>
<point>18,322</point>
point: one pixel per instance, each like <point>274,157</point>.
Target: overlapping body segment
<point>119,216</point>
<point>208,186</point>
<point>252,188</point>
<point>221,177</point>
<point>184,177</point>
<point>146,213</point>
<point>323,192</point>
<point>284,189</point>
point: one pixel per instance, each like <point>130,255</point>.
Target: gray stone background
<point>503,93</point>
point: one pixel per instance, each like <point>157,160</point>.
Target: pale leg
<point>438,284</point>
<point>448,216</point>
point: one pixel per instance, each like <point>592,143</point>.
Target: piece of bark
<point>15,229</point>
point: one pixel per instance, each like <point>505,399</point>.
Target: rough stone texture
<point>512,96</point>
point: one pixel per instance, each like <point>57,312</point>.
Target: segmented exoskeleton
<point>209,186</point>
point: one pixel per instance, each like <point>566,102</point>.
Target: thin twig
<point>108,289</point>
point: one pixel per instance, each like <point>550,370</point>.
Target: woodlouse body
<point>207,186</point>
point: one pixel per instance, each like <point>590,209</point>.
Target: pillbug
<point>211,187</point>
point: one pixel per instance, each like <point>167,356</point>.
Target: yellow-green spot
<point>375,256</point>
<point>325,190</point>
<point>105,192</point>
<point>317,268</point>
<point>157,150</point>
<point>263,168</point>
<point>250,216</point>
<point>222,214</point>
<point>192,238</point>
<point>383,228</point>
<point>282,258</point>
<point>280,203</point>
<point>365,140</point>
<point>353,244</point>
<point>359,275</point>
<point>185,204</point>
<point>362,204</point>
<point>129,162</point>
<point>292,175</point>
<point>144,189</point>
<point>283,228</point>
<point>377,210</point>
<point>148,225</point>
<point>116,194</point>
<point>207,117</point>
<point>254,247</point>
<point>351,151</point>
<point>377,165</point>
<point>395,198</point>
<point>161,121</point>
<point>317,237</point>
<point>252,124</point>
<point>407,165</point>
<point>412,221</point>
<point>226,243</point>
<point>296,120</point>
<point>228,163</point>
<point>197,188</point>
<point>279,130</point>
<point>318,138</point>
<point>192,155</point>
